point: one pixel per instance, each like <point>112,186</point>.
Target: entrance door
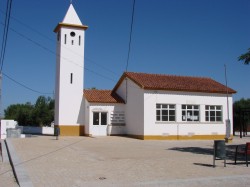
<point>99,127</point>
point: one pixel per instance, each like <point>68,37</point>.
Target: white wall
<point>37,130</point>
<point>179,127</point>
<point>134,107</point>
<point>68,96</point>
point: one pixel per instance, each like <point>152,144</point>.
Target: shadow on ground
<point>230,153</point>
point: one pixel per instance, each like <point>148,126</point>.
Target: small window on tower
<point>65,39</point>
<point>71,78</point>
<point>79,40</point>
<point>72,34</point>
<point>72,42</point>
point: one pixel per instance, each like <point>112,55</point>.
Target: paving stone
<point>120,161</point>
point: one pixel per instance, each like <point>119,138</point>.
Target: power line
<point>4,43</point>
<point>29,27</point>
<point>51,40</point>
<point>129,47</point>
<point>52,52</point>
<point>130,34</point>
<point>49,50</point>
<point>5,34</point>
<point>23,85</point>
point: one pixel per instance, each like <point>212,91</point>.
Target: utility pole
<point>228,123</point>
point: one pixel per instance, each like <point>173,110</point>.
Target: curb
<point>20,173</point>
<point>5,157</point>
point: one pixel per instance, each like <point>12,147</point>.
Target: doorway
<point>100,121</point>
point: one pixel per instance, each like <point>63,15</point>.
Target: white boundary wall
<point>37,130</point>
<point>6,124</point>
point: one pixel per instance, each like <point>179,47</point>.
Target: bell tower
<point>69,115</point>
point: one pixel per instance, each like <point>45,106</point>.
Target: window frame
<point>98,118</point>
<point>213,109</point>
<point>163,112</point>
<point>187,109</point>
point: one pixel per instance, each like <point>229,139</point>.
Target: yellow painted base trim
<point>71,130</point>
<point>229,140</point>
<point>175,137</point>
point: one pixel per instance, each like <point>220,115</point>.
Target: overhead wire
<point>68,60</point>
<point>52,40</point>
<point>23,85</point>
<point>54,53</point>
<point>130,34</point>
<point>5,33</point>
<point>129,48</point>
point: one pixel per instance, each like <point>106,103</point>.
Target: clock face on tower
<point>72,34</point>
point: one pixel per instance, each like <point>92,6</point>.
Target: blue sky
<point>180,37</point>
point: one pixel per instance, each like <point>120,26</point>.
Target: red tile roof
<point>175,83</point>
<point>102,96</point>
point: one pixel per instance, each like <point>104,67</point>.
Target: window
<point>96,118</point>
<point>65,38</point>
<point>72,42</point>
<point>103,118</point>
<point>190,113</point>
<point>100,118</point>
<point>79,40</point>
<point>213,113</point>
<point>165,112</point>
<point>71,78</point>
<point>72,34</point>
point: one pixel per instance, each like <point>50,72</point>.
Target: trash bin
<point>219,151</point>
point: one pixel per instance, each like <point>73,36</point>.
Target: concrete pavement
<point>6,174</point>
<point>120,161</point>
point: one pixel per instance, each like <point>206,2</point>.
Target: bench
<point>245,150</point>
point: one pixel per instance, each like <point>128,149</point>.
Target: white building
<point>141,105</point>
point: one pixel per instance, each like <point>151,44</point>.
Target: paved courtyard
<point>120,161</point>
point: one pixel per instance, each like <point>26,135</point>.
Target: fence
<point>37,130</point>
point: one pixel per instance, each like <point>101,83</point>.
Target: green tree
<point>245,57</point>
<point>21,113</point>
<point>40,114</point>
<point>238,106</point>
<point>43,111</point>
